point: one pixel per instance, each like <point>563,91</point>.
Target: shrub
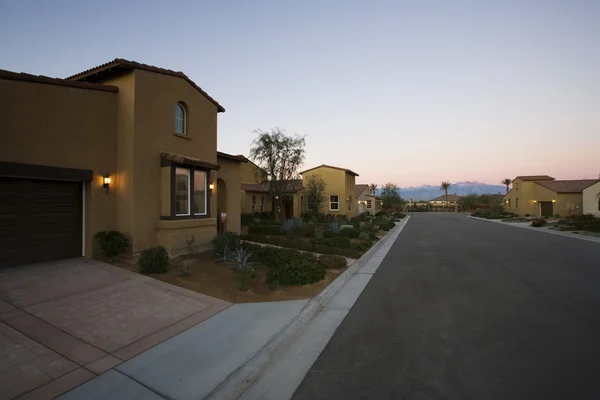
<point>154,260</point>
<point>366,236</point>
<point>303,230</point>
<point>266,229</point>
<point>350,232</point>
<point>189,243</point>
<point>380,213</point>
<point>538,222</point>
<point>332,262</point>
<point>289,225</point>
<point>223,239</point>
<point>335,227</point>
<point>112,243</point>
<point>183,268</point>
<point>227,254</point>
<point>384,224</point>
<point>302,271</point>
<point>318,232</point>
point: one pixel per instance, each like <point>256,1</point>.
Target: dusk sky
<point>413,92</point>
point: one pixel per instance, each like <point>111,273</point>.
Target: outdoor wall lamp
<point>535,201</point>
<point>106,182</point>
<point>211,186</point>
<point>554,201</point>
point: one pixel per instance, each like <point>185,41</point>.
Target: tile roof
<point>179,159</point>
<point>331,166</point>
<point>534,178</point>
<point>358,189</point>
<point>120,65</point>
<point>238,157</point>
<point>568,186</point>
<point>20,76</point>
<point>294,185</point>
<point>451,197</point>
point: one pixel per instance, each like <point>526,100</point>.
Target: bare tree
<point>315,188</point>
<point>280,156</point>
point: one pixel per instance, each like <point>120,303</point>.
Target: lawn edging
<point>540,229</point>
<point>247,373</point>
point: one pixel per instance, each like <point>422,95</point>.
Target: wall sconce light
<point>554,201</point>
<point>535,201</point>
<point>211,186</point>
<point>106,182</point>
<point>506,201</point>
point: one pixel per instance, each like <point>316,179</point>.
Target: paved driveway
<point>63,323</point>
<point>466,309</point>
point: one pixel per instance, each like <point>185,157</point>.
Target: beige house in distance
<point>440,201</point>
<point>366,200</point>
<point>340,191</point>
<point>591,199</point>
<point>542,195</point>
<point>123,146</point>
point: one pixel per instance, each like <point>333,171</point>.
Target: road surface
<point>468,309</point>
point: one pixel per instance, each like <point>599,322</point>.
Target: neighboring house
<point>258,198</point>
<point>542,195</point>
<point>366,200</point>
<point>441,201</point>
<point>591,199</point>
<point>123,146</point>
<point>339,192</point>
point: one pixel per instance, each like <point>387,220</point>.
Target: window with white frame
<point>262,203</point>
<point>334,202</point>
<point>190,195</point>
<point>253,203</point>
<point>180,121</point>
<point>369,203</point>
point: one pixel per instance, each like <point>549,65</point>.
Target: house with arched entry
<point>122,146</point>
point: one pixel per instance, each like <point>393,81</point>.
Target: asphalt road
<point>468,309</point>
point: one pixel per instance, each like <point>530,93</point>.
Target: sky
<point>408,92</point>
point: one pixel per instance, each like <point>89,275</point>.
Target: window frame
<point>184,119</point>
<point>253,203</point>
<point>207,193</point>
<point>262,203</point>
<point>334,202</point>
<point>509,202</point>
<point>369,204</point>
<point>189,193</point>
<point>516,202</point>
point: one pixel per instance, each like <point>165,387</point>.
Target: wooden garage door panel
<point>40,220</point>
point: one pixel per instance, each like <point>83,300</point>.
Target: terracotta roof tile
<point>451,197</point>
<point>238,157</point>
<point>295,185</point>
<point>534,178</point>
<point>185,160</point>
<point>331,166</point>
<point>568,186</point>
<point>20,76</point>
<point>118,65</point>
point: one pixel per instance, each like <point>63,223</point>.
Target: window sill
<point>179,135</point>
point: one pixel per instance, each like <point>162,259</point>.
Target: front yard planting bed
<point>213,278</point>
<point>331,245</point>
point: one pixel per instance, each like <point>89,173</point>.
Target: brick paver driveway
<point>63,323</point>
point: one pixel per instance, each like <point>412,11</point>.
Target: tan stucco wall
<point>338,183</point>
<point>230,174</point>
<point>525,191</point>
<point>530,194</point>
<point>154,100</point>
<point>590,198</point>
<point>250,173</point>
<point>246,201</point>
<point>64,127</point>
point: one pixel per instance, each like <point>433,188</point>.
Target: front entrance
<point>546,208</point>
<point>221,205</point>
<point>288,207</point>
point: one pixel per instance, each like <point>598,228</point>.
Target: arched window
<point>180,119</point>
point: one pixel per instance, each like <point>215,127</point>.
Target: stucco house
<point>367,201</point>
<point>123,146</point>
<point>340,191</point>
<point>591,199</point>
<point>442,201</point>
<point>542,195</point>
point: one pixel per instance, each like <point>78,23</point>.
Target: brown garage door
<point>40,220</point>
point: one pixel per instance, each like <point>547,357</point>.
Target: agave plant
<point>289,225</point>
<point>241,259</point>
<point>318,233</point>
<point>335,227</point>
<point>227,254</point>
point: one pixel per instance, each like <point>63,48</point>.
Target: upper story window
<point>180,119</point>
<point>334,202</point>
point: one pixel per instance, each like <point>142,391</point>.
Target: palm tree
<point>506,182</point>
<point>373,187</point>
<point>445,186</point>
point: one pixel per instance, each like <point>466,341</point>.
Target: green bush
<point>366,236</point>
<point>304,230</point>
<point>302,271</point>
<point>315,245</point>
<point>266,229</point>
<point>384,224</point>
<point>222,240</point>
<point>332,262</point>
<point>154,260</point>
<point>112,243</point>
<point>380,213</point>
<point>361,246</point>
<point>399,215</point>
<point>538,222</point>
<point>350,232</point>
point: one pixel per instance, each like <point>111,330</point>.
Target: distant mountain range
<point>428,192</point>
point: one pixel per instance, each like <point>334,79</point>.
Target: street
<point>467,309</point>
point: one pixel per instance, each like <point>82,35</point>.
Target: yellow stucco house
<point>542,195</point>
<point>340,191</point>
<point>367,201</point>
<point>591,199</point>
<point>123,146</point>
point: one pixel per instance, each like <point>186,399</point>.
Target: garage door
<point>40,220</point>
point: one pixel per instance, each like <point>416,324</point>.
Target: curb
<point>559,233</point>
<point>246,374</point>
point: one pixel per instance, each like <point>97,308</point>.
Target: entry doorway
<point>546,208</point>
